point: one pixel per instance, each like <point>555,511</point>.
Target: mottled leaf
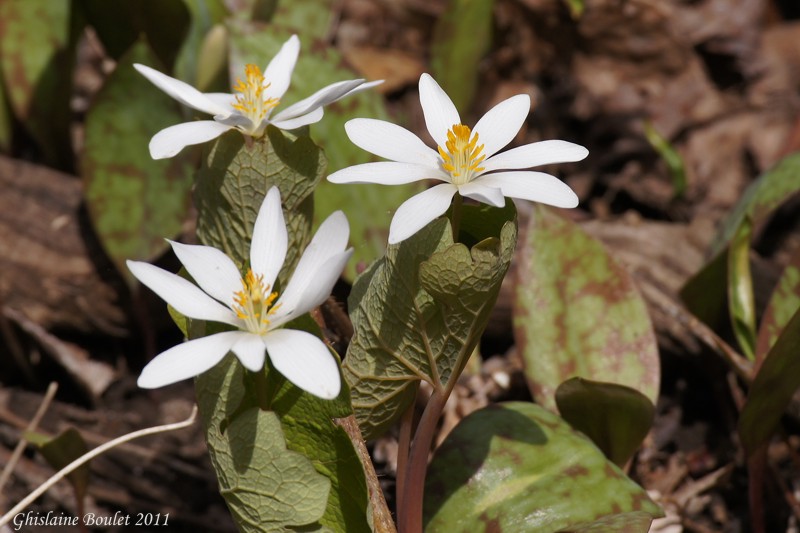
<point>418,313</point>
<point>368,207</point>
<point>783,304</point>
<point>742,306</point>
<point>61,450</point>
<point>134,201</point>
<point>234,179</point>
<point>773,387</point>
<point>616,418</point>
<point>461,38</point>
<point>518,467</point>
<point>119,25</point>
<point>37,49</point>
<point>578,313</point>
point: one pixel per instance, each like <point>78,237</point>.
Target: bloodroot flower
<point>248,111</point>
<point>251,305</point>
<point>466,160</point>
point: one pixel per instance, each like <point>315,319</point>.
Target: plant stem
<point>265,388</point>
<point>403,446</point>
<point>455,217</point>
<point>410,516</point>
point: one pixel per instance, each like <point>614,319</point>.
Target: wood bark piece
<point>51,268</point>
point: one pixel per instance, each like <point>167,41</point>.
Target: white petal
<point>500,124</point>
<point>386,173</point>
<point>319,267</point>
<point>304,360</point>
<point>534,186</point>
<point>303,120</point>
<point>416,212</point>
<point>169,141</point>
<point>225,100</point>
<point>249,349</point>
<point>535,154</point>
<point>270,239</point>
<point>182,92</point>
<point>480,192</point>
<point>440,112</point>
<point>364,87</point>
<point>390,141</point>
<point>279,71</point>
<point>182,294</point>
<point>187,360</point>
<point>322,97</point>
<point>211,269</point>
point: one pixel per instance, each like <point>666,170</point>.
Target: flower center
<point>463,154</point>
<point>252,102</point>
<point>253,303</point>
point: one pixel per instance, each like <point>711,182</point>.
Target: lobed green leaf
<point>578,313</point>
<point>419,312</point>
<point>234,178</point>
<point>518,467</point>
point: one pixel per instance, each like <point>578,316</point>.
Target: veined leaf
<point>578,313</point>
<point>517,467</point>
<point>234,179</point>
<point>419,312</point>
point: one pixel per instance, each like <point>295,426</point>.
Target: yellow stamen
<point>252,101</point>
<point>463,155</point>
<point>253,303</point>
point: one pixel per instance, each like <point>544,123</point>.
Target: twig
<point>381,517</point>
<point>37,417</point>
<point>6,518</point>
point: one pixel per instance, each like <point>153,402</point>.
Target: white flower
<point>248,111</point>
<point>465,167</point>
<point>249,305</point>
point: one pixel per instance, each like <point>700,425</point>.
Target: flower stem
<point>455,217</point>
<point>265,388</point>
<point>410,516</point>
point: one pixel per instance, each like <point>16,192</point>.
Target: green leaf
<point>762,198</point>
<point>706,293</point>
<point>6,123</point>
<point>234,179</point>
<point>134,201</point>
<point>578,313</point>
<point>37,54</point>
<point>418,313</point>
<point>61,450</point>
<point>207,39</point>
<point>672,158</point>
<point>517,467</point>
<point>368,207</point>
<point>119,25</point>
<point>461,38</point>
<point>616,418</point>
<point>266,486</point>
<point>772,389</point>
<point>306,421</point>
<point>784,302</point>
<point>742,306</point>
<point>576,7</point>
